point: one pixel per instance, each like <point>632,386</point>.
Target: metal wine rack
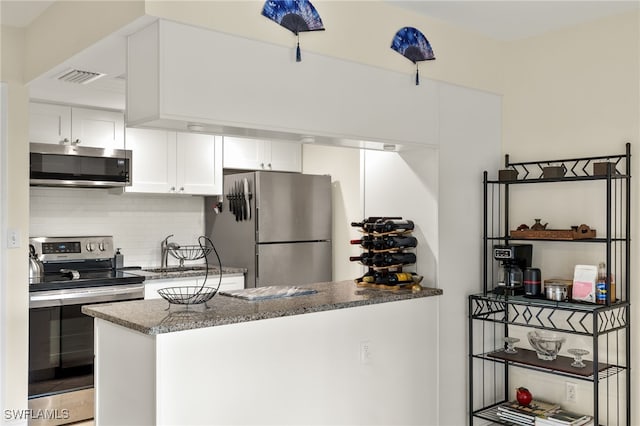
<point>604,327</point>
<point>387,267</point>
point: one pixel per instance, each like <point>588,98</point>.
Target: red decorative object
<point>523,396</point>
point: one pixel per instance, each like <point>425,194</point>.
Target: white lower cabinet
<point>233,282</point>
<point>166,162</point>
<point>257,154</point>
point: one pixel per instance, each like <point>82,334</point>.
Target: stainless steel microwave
<point>79,166</point>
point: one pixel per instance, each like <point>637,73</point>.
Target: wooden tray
<point>399,286</point>
<point>553,234</point>
<point>561,363</point>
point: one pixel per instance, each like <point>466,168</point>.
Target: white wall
<point>3,224</point>
<point>406,184</point>
<point>575,93</point>
<point>469,144</point>
<point>137,222</point>
<point>343,164</point>
<point>15,212</point>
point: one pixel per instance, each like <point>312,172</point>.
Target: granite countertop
<point>152,273</point>
<point>156,316</point>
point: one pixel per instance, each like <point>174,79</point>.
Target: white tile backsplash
<point>137,222</point>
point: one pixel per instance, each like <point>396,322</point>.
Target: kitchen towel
<point>270,292</point>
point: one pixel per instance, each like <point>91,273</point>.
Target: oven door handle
<point>87,296</point>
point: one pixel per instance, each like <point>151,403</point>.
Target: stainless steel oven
<point>77,271</point>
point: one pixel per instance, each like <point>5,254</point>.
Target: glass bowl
<point>547,345</point>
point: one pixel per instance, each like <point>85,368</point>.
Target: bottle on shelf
<point>369,277</point>
<point>387,278</point>
<point>601,284</point>
<point>368,223</point>
<point>387,242</point>
<point>395,278</point>
<point>393,225</point>
<point>604,285</point>
<point>384,259</point>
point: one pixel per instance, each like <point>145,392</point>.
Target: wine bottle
<point>400,278</point>
<point>368,259</point>
<point>391,225</point>
<point>386,242</point>
<point>366,241</point>
<point>395,241</point>
<point>368,223</point>
<point>384,259</point>
<point>393,278</point>
<point>369,277</point>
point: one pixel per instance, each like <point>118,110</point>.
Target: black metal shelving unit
<point>607,325</point>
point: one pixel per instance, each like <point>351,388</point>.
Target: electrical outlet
<point>365,352</point>
<point>571,392</point>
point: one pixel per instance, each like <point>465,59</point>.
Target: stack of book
<point>562,417</point>
<point>525,415</point>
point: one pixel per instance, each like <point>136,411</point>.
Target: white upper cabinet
<point>199,164</point>
<point>97,128</point>
<point>62,124</point>
<point>167,162</point>
<point>256,154</point>
<point>49,123</point>
<point>285,156</point>
<point>153,168</point>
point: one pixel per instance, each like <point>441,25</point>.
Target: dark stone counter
<point>157,316</point>
<point>189,271</point>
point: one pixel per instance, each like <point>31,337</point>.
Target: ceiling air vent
<point>79,76</point>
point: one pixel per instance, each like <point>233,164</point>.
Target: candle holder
<point>577,356</point>
<point>510,341</point>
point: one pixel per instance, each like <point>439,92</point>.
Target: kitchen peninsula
<point>343,355</point>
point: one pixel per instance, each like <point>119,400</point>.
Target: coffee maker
<point>514,259</point>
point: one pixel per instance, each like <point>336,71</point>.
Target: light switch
<point>13,238</point>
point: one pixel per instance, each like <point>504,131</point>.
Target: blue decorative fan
<point>413,45</point>
<point>295,15</point>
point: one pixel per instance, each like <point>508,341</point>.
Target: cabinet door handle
<point>172,189</point>
<point>64,141</point>
<point>269,165</point>
<point>76,142</point>
<point>262,165</point>
<point>182,189</point>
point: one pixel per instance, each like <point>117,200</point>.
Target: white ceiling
<point>20,13</point>
<point>515,19</point>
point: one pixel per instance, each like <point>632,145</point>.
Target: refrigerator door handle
<point>247,197</point>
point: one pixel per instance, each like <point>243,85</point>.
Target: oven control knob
<point>91,247</point>
<point>101,246</point>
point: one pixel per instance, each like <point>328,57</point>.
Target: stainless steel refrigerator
<point>276,225</point>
